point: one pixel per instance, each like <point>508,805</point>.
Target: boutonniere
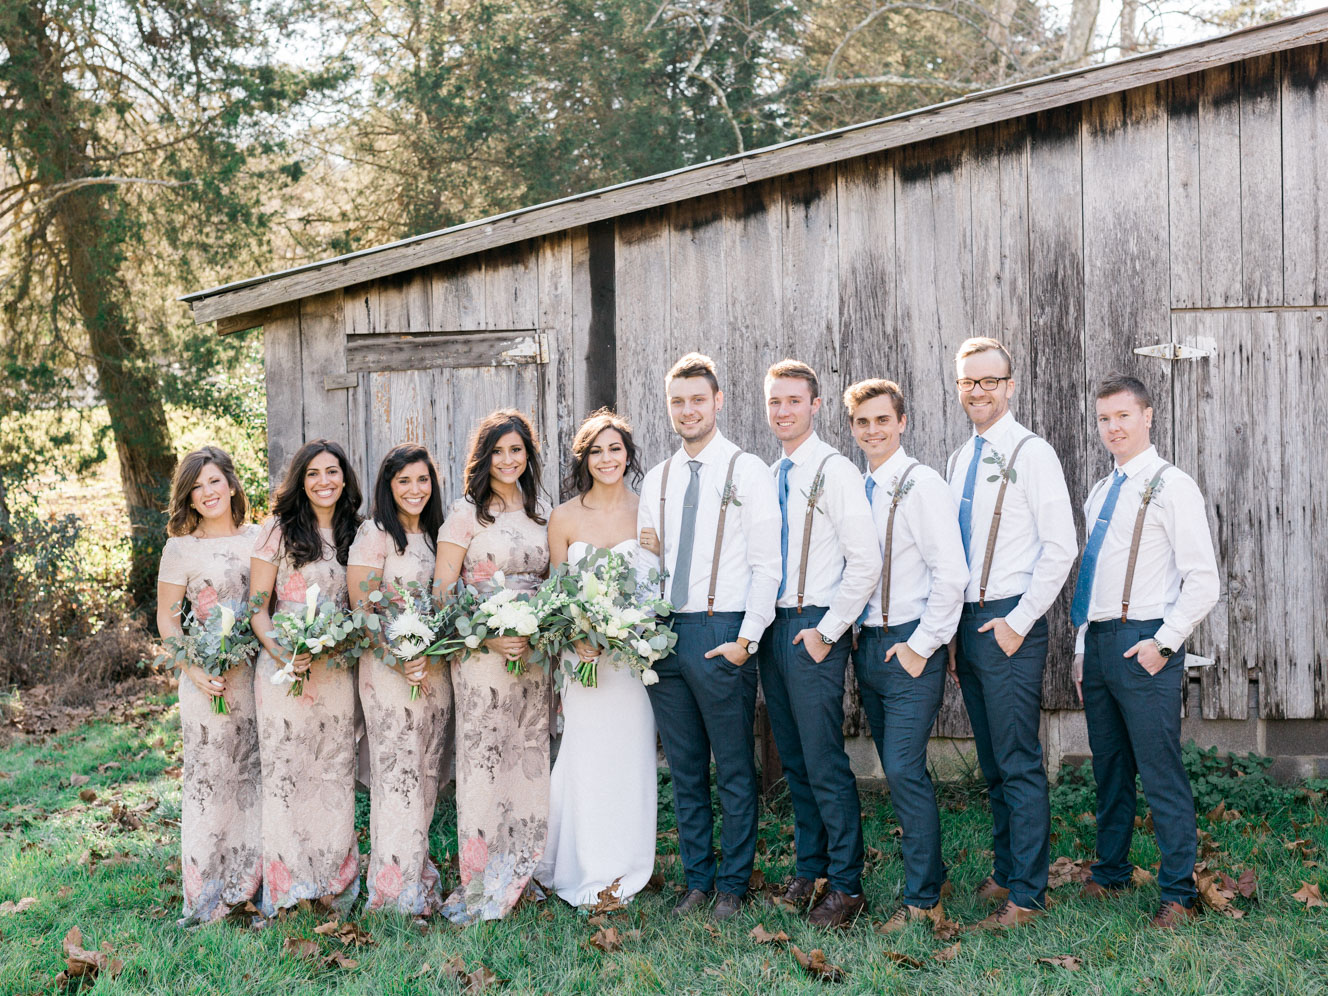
<point>899,490</point>
<point>814,495</point>
<point>729,497</point>
<point>1151,491</point>
<point>1004,472</point>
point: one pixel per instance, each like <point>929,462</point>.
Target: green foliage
<point>1241,781</point>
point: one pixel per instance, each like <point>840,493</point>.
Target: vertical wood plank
<point>456,300</point>
<point>557,319</point>
<point>645,347</point>
<point>511,291</point>
<point>1261,180</point>
<point>1184,211</point>
<point>404,303</point>
<point>1314,370</point>
<point>1304,183</point>
<point>323,352</point>
<point>754,294</point>
<point>1269,578</point>
<point>1219,188</point>
<point>285,403</point>
<point>697,300</point>
<point>1300,459</point>
<point>998,179</point>
<point>361,308</point>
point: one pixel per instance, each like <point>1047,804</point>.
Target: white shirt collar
<point>998,433</point>
<point>715,451</point>
<point>805,451</point>
<point>1140,463</point>
<point>892,467</point>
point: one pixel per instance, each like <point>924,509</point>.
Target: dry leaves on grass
<point>1065,870</point>
<point>1217,889</point>
<point>1140,876</point>
<point>76,780</point>
<point>608,899</point>
<point>908,961</point>
<point>607,939</point>
<point>1068,962</point>
<point>471,981</point>
<point>82,964</point>
<point>947,954</point>
<point>308,949</point>
<point>347,933</point>
<point>762,936</point>
<point>9,906</point>
<point>1309,894</point>
<point>814,964</point>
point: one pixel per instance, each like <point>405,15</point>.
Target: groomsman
<point>709,515</point>
<point>828,573</point>
<point>1148,576</point>
<point>1017,529</point>
<point>907,625</point>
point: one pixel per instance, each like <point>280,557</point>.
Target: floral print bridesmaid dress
<point>410,743</point>
<point>220,822</point>
<point>307,746</point>
<point>502,751</point>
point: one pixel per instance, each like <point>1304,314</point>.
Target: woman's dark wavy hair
<point>385,511</point>
<point>580,479</point>
<point>293,511</point>
<point>479,489</point>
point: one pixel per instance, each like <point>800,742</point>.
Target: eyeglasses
<point>966,384</point>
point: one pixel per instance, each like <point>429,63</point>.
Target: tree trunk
<point>1129,16</point>
<point>1079,32</point>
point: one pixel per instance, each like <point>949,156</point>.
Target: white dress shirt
<point>928,573</point>
<point>749,562</point>
<point>841,569</point>
<point>1175,577</point>
<point>1037,543</point>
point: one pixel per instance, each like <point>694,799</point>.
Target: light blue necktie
<point>1083,587</point>
<point>682,565</point>
<point>871,489</point>
<point>784,466</point>
<point>966,503</point>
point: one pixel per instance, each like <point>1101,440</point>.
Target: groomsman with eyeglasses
<point>1148,577</point>
<point>900,659</point>
<point>708,514</point>
<point>828,574</point>
<point>1017,529</point>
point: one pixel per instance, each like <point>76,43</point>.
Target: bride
<point>602,790</point>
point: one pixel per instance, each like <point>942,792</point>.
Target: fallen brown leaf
<point>1246,885</point>
<point>1068,962</point>
<point>77,780</point>
<point>757,881</point>
<point>947,954</point>
<point>302,947</point>
<point>108,766</point>
<point>80,963</point>
<point>902,959</point>
<point>9,906</point>
<point>608,899</point>
<point>1140,876</point>
<point>340,960</point>
<point>1214,815</point>
<point>607,939</point>
<point>88,795</point>
<point>64,892</point>
<point>1309,894</point>
<point>946,930</point>
<point>762,936</point>
<point>815,964</point>
<point>1065,870</point>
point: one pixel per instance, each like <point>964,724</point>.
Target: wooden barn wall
<point>1192,211</point>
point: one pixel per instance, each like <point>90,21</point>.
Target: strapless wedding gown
<point>602,789</point>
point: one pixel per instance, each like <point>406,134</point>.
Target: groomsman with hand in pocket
<point>708,515</point>
<point>828,573</point>
<point>900,660</point>
<point>1148,576</point>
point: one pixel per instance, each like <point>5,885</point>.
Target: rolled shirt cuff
<point>923,644</point>
<point>1019,620</point>
<point>832,626</point>
<point>1170,637</point>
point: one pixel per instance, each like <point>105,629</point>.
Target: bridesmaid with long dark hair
<point>206,563</point>
<point>307,741</point>
<point>409,740</point>
<point>502,765</point>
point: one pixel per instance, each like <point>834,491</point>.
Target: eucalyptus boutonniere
<point>899,490</point>
<point>1151,491</point>
<point>1004,472</point>
<point>729,497</point>
<point>814,495</point>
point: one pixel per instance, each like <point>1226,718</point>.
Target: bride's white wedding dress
<point>602,789</point>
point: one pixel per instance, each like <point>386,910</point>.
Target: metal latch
<point>1177,351</point>
<point>535,349</point>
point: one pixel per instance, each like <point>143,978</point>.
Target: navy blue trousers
<point>1134,728</point>
<point>902,711</point>
<point>806,705</point>
<point>705,706</point>
<point>1003,696</point>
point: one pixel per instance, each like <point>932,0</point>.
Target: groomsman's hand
<point>650,541</point>
<point>731,652</point>
<point>1145,652</point>
<point>812,643</point>
<point>1077,673</point>
<point>953,666</point>
<point>911,661</point>
<point>1006,638</point>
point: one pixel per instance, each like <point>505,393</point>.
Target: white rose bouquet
<point>319,629</point>
<point>220,641</point>
<point>504,612</point>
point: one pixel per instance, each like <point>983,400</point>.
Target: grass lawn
<point>102,855</point>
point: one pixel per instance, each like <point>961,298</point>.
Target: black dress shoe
<point>726,906</point>
<point>689,902</point>
<point>796,891</point>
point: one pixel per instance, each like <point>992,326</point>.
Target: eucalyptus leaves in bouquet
<point>499,611</point>
<point>409,622</point>
<point>217,642</point>
<point>321,629</point>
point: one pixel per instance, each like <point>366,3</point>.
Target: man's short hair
<point>984,344</point>
<point>1117,383</point>
<point>875,387</point>
<point>795,369</point>
<point>693,365</point>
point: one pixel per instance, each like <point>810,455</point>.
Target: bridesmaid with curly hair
<point>206,563</point>
<point>307,742</point>
<point>502,764</point>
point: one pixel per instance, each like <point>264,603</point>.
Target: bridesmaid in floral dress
<point>307,742</point>
<point>502,764</point>
<point>409,741</point>
<point>206,562</point>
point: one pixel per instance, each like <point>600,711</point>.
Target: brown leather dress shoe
<point>726,906</point>
<point>694,899</point>
<point>1171,915</point>
<point>796,891</point>
<point>906,914</point>
<point>988,889</point>
<point>837,909</point>
<point>1093,890</point>
<point>1007,917</point>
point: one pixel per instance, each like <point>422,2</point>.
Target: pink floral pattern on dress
<point>220,814</point>
<point>293,589</point>
<point>502,731</point>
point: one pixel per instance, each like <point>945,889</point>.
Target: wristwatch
<point>750,646</point>
<point>1164,651</point>
<point>825,639</point>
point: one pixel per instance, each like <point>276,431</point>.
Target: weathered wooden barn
<point>1166,215</point>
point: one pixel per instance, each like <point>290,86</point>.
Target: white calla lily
<point>227,620</point>
<point>310,604</point>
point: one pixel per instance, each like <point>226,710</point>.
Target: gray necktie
<point>682,567</point>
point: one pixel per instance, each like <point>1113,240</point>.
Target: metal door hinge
<point>1177,351</point>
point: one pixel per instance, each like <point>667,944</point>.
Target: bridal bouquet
<point>504,612</point>
<point>411,624</point>
<point>216,643</point>
<point>319,629</point>
<point>597,600</point>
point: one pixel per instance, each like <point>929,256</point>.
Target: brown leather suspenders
<point>996,519</point>
<point>719,530</point>
<point>1149,492</point>
<point>895,498</point>
<point>817,481</point>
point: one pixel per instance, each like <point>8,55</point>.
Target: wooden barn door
<point>1248,429</point>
